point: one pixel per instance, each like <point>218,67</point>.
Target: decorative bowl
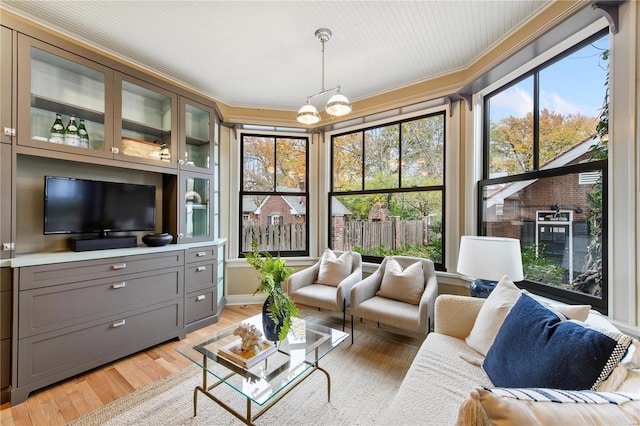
<point>157,240</point>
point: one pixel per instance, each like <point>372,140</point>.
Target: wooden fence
<point>286,237</point>
<point>390,234</point>
<point>393,234</point>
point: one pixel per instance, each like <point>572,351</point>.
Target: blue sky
<point>572,85</point>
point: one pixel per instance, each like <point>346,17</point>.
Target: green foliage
<point>432,252</point>
<point>273,272</point>
<point>538,267</point>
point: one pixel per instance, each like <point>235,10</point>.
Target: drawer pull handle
<point>118,285</point>
<point>201,297</point>
<point>201,253</point>
<point>117,324</point>
<point>119,266</point>
<point>201,268</point>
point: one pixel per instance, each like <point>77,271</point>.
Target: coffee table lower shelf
<point>248,418</point>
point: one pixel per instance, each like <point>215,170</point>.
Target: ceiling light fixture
<point>337,105</point>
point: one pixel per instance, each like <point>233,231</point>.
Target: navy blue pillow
<point>536,347</point>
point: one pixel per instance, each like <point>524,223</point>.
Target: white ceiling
<point>264,54</point>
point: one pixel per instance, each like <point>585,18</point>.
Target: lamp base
<point>482,288</point>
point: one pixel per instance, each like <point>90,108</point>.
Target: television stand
<point>103,243</point>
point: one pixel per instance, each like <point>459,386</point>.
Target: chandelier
<point>337,105</point>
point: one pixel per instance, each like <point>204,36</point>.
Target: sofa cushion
<point>537,347</point>
<point>334,269</point>
<point>496,308</point>
<point>547,406</point>
<point>403,285</point>
<point>436,384</point>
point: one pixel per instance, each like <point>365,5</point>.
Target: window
<point>545,172</point>
<point>387,190</point>
<point>274,194</point>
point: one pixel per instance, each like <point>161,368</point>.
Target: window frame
<point>305,193</point>
<point>546,290</point>
<point>439,266</point>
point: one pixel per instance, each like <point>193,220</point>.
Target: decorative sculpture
<point>250,336</point>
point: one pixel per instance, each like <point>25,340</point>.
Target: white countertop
<point>33,259</point>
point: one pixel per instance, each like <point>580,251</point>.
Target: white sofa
<point>446,371</point>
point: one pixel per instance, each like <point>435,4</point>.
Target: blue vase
<point>270,328</point>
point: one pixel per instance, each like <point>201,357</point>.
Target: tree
<point>511,146</point>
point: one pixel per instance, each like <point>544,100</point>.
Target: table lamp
<point>488,259</point>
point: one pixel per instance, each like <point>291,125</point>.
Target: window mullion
<point>536,121</point>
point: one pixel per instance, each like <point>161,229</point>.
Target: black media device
<point>81,206</point>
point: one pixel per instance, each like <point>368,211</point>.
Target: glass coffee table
<point>266,382</point>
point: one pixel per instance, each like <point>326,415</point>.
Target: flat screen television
<point>81,206</point>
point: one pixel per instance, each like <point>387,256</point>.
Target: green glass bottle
<point>71,136</point>
<point>57,130</point>
<point>84,135</point>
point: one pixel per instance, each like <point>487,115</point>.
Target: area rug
<point>364,378</point>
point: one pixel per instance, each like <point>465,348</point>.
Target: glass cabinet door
<point>196,136</point>
<point>147,122</point>
<point>66,93</point>
<point>197,209</point>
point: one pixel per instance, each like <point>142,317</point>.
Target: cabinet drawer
<point>200,305</point>
<point>51,308</point>
<point>201,253</point>
<point>199,275</point>
<point>69,272</point>
<point>52,355</point>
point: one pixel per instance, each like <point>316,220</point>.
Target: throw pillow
<point>496,308</point>
<point>502,406</point>
<point>406,286</point>
<point>334,269</point>
<point>537,347</point>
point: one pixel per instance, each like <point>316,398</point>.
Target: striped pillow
<point>562,396</point>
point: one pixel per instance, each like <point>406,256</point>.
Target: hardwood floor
<point>70,399</point>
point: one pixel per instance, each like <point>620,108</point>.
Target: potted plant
<point>278,310</point>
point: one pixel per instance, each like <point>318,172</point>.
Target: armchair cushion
<point>405,286</point>
<point>334,269</point>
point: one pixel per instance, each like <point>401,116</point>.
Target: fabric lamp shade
<point>490,258</point>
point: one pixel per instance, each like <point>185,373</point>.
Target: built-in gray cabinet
<point>6,85</point>
<point>7,243</point>
<point>146,120</point>
<point>74,316</point>
<point>201,300</point>
<point>56,81</point>
<point>198,134</point>
<point>5,333</point>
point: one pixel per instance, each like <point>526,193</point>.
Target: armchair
<point>405,301</point>
<point>331,295</point>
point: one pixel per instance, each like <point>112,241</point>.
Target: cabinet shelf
<point>135,126</point>
<point>196,141</point>
<point>55,106</point>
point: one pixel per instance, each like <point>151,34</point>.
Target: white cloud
<point>514,101</point>
<point>554,102</point>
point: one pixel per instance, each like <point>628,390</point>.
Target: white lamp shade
<point>490,258</point>
<point>308,114</point>
<point>338,105</point>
